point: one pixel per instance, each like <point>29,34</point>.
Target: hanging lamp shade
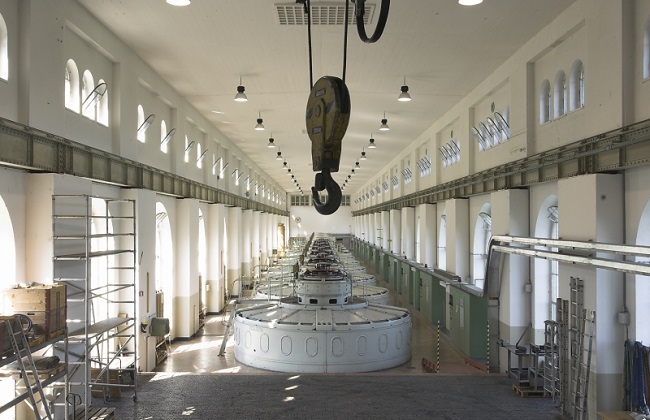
<point>384,124</point>
<point>260,123</point>
<point>404,95</point>
<point>271,144</point>
<point>279,156</point>
<point>363,155</point>
<point>241,95</point>
<point>371,143</point>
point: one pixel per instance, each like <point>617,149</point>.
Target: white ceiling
<point>442,48</point>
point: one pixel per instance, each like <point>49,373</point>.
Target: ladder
<point>583,367</point>
<point>563,351</point>
<point>551,359</point>
<point>21,349</point>
<point>576,331</point>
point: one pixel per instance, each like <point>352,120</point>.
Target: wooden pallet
<point>95,413</point>
<point>527,392</point>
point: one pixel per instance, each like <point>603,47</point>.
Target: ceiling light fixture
<point>356,165</point>
<point>404,96</point>
<point>384,124</point>
<point>241,96</point>
<point>279,156</point>
<point>179,2</point>
<point>363,155</point>
<point>371,144</point>
<point>259,126</point>
<point>469,2</point>
<point>271,145</point>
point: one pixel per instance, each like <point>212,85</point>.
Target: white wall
<point>312,221</point>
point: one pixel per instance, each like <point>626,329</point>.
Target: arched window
<point>163,134</point>
<point>442,243</point>
<point>102,105</point>
<point>545,102</point>
<point>559,95</point>
<point>72,101</point>
<point>4,50</point>
<point>577,86</point>
<point>482,235</point>
<point>187,150</point>
<point>646,51</point>
<point>141,133</point>
<point>88,106</point>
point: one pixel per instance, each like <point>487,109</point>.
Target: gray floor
<point>195,383</point>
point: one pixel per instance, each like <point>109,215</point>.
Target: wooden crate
<point>42,297</point>
<point>44,304</point>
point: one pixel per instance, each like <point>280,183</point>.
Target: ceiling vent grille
<point>321,14</point>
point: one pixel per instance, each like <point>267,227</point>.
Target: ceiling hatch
<point>321,14</point>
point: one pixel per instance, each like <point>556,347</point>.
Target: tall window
<point>560,95</point>
<point>545,102</point>
<point>646,50</point>
<point>4,50</point>
<point>163,134</point>
<point>87,86</point>
<point>577,86</point>
<point>71,86</point>
<point>442,243</point>
<point>198,156</point>
<point>188,147</point>
<point>102,105</point>
<point>141,133</point>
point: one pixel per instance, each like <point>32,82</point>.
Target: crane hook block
<point>327,117</point>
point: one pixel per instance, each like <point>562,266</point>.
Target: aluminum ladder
<point>583,367</point>
<point>21,349</point>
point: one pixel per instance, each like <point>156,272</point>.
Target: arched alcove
<point>545,278</point>
<point>482,235</point>
<point>642,283</point>
<point>164,280</point>
<point>442,243</point>
<point>203,262</point>
<point>7,253</point>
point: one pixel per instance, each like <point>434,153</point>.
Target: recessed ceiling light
<point>469,2</point>
<point>218,112</point>
<point>179,2</point>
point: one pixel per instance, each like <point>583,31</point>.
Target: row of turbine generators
<point>316,310</point>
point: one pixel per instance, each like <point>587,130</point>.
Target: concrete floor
<point>194,382</point>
